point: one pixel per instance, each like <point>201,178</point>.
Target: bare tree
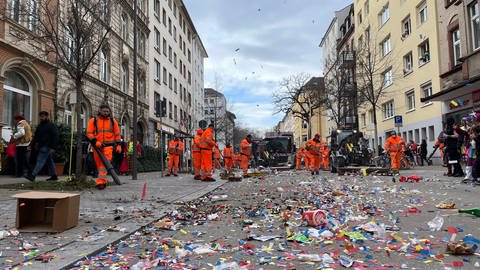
<point>73,31</point>
<point>300,95</point>
<point>374,74</point>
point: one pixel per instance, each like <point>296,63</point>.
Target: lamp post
<point>135,92</point>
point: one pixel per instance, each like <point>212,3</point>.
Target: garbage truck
<point>276,151</point>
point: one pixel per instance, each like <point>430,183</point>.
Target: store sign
<point>168,129</point>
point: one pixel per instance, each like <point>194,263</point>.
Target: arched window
<point>124,78</point>
<point>124,128</point>
<point>104,66</point>
<point>17,97</point>
<point>124,27</point>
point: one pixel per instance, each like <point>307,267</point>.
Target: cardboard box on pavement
<point>46,211</point>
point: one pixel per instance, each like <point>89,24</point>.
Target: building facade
<point>459,26</point>
<point>403,35</point>
<point>215,106</point>
<point>176,61</point>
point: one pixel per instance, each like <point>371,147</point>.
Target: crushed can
<point>315,217</point>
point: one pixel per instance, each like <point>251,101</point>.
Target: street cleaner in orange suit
<point>175,149</point>
<point>104,133</point>
<point>395,144</point>
<point>299,157</point>
<point>313,146</point>
<point>197,156</point>
<point>228,158</point>
<point>206,145</point>
<point>245,153</point>
<point>216,158</point>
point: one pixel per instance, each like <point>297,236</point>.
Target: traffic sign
<point>398,120</point>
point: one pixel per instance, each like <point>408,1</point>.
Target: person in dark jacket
<point>423,152</point>
<point>45,141</point>
<point>451,140</point>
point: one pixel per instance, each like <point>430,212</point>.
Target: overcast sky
<point>253,44</point>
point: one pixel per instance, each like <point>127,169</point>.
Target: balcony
<point>346,59</point>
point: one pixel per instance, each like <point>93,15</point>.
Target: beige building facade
<point>404,35</point>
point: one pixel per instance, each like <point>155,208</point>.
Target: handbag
<point>11,150</point>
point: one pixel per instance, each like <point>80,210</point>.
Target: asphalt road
<point>257,224</point>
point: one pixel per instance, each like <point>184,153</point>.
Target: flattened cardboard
<point>47,211</point>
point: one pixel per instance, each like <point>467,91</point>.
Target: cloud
<point>252,45</point>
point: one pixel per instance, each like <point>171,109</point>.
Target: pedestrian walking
<point>45,141</point>
<point>245,153</point>
<point>103,133</point>
<point>453,153</point>
<point>22,137</point>
<point>423,152</point>
<point>175,149</point>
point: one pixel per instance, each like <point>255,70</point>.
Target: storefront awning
<point>455,91</point>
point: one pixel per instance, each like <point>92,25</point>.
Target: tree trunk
<point>78,113</point>
<point>375,139</point>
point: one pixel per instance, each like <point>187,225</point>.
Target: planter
<point>59,167</point>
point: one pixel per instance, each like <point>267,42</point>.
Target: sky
<point>253,44</point>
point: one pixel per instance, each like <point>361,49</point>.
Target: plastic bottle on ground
<point>436,223</point>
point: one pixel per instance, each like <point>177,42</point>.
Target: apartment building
<point>459,29</point>
<point>403,35</point>
<point>27,84</point>
<point>215,106</point>
<point>176,58</point>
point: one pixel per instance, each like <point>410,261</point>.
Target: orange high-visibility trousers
<point>173,164</point>
<point>395,157</point>
<point>102,171</point>
<point>324,160</point>
<point>298,163</point>
<point>315,163</point>
<point>228,164</point>
<point>206,167</point>
<point>244,163</point>
<point>308,160</point>
<point>197,162</point>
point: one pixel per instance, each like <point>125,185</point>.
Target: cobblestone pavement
<point>119,206</point>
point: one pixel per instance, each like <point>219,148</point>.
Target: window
<point>156,8</point>
<point>410,95</point>
<point>124,26</point>
<point>170,53</point>
<point>141,44</point>
<point>189,55</point>
<point>189,99</point>
<point>142,87</point>
<point>424,53</point>
<point>422,13</point>
<point>388,78</point>
<point>363,119</point>
<point>424,133</point>
<point>170,110</point>
<point>189,78</point>
<point>164,17</point>
<point>164,75</point>
<point>156,99</point>
<point>406,27</point>
<point>180,40</point>
<point>367,7</point>
<point>156,39</point>
<point>386,47</point>
<point>408,63</point>
<point>124,77</point>
<point>175,113</point>
<point>15,10</point>
<point>359,15</point>
<point>474,25</point>
<point>103,66</point>
<point>457,54</point>
<point>141,5</point>
<point>165,47</point>
<point>388,110</point>
<point>103,11</point>
<point>170,81</point>
<point>32,15</point>
<point>431,133</point>
<point>426,89</point>
<point>68,115</point>
<point>175,85</point>
<point>370,116</point>
<point>175,33</point>
<point>384,15</point>
<point>17,97</point>
<point>181,70</point>
<point>156,71</point>
<point>175,60</point>
<point>170,26</point>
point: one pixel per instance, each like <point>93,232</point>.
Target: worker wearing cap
<point>245,153</point>
<point>313,147</point>
<point>228,158</point>
<point>395,144</point>
<point>197,156</point>
<point>175,149</point>
<point>206,145</point>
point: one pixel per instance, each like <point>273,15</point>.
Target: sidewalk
<point>119,206</point>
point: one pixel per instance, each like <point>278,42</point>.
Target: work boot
<point>167,174</point>
<point>197,177</point>
<point>209,179</point>
<point>175,175</point>
<point>100,186</point>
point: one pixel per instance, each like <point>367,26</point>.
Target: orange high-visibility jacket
<point>245,148</point>
<point>100,128</point>
<point>394,144</point>
<point>206,141</point>
<point>300,153</point>
<point>216,152</point>
<point>175,147</point>
<point>195,146</point>
<point>228,152</point>
<point>313,147</point>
